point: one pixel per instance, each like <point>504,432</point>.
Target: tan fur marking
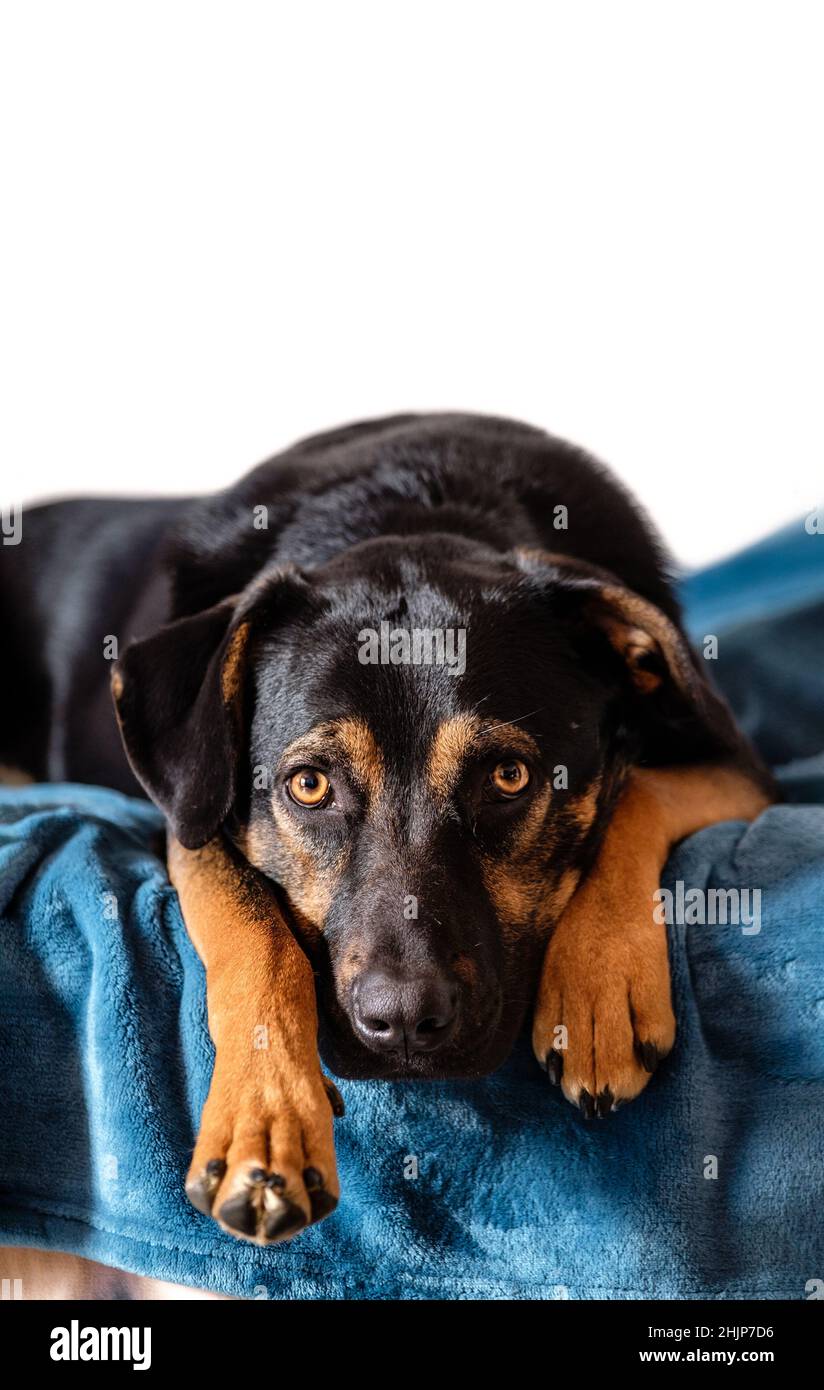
<point>267,1106</point>
<point>530,831</point>
<point>282,848</point>
<point>518,885</point>
<point>634,626</point>
<point>350,741</point>
<point>466,734</point>
<point>450,749</point>
<point>641,623</point>
<point>605,978</point>
<point>466,967</point>
<point>560,894</point>
<point>357,743</point>
<point>310,886</point>
<point>633,645</point>
<point>515,895</point>
<point>583,808</point>
<point>231,676</point>
<point>524,896</point>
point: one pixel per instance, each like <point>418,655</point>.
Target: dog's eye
<point>309,787</point>
<point>510,778</point>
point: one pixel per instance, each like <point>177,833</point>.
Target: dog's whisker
<point>490,728</point>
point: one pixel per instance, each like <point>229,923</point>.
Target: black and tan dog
<point>381,851</point>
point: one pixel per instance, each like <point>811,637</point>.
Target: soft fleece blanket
<point>710,1185</point>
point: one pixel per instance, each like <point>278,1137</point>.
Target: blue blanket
<point>710,1185</point>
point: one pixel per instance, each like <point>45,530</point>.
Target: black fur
<point>414,520</point>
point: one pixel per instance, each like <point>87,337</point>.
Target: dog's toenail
<point>276,1181</point>
<point>239,1214</point>
<point>258,1175</point>
<point>648,1055</point>
<point>586,1105</point>
<point>554,1067</point>
<point>286,1220</point>
<point>335,1099</point>
<point>312,1178</point>
<point>215,1168</point>
<point>603,1102</point>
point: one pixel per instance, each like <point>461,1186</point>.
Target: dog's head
<point>419,744</point>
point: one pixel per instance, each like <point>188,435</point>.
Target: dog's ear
<point>179,696</point>
<point>679,713</point>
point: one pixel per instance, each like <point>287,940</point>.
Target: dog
<point>417,704</point>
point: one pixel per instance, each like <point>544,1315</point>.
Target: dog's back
<point>88,571</point>
<point>488,479</point>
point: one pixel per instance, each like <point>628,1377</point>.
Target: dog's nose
<point>395,1012</point>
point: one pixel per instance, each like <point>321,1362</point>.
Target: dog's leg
<point>604,1016</point>
<point>264,1161</point>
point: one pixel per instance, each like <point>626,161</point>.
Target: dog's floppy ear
<point>179,696</point>
<point>682,715</point>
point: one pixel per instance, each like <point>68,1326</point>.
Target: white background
<point>225,225</point>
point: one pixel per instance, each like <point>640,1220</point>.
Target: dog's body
<point>414,828</point>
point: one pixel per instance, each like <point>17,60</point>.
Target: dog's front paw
<point>264,1163</point>
<point>603,1018</point>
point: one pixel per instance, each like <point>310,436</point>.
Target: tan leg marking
<point>605,986</point>
<point>264,1161</point>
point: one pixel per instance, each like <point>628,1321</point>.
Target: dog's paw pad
<point>264,1167</point>
<point>240,1214</point>
<point>282,1219</point>
<point>260,1209</point>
